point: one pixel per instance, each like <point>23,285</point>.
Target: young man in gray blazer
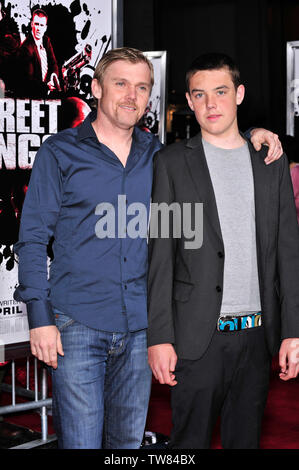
<point>220,307</point>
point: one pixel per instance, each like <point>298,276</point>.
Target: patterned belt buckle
<point>227,323</point>
<point>242,322</point>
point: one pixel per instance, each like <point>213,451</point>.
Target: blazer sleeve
<point>161,261</point>
<point>288,255</point>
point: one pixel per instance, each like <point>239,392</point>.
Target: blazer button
<point>220,254</point>
<point>218,289</point>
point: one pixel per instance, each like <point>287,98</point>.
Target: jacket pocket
<point>182,291</point>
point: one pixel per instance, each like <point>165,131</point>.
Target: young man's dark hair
<point>213,61</point>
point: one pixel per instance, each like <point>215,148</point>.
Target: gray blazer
<point>185,285</point>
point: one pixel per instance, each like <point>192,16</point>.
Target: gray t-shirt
<point>232,179</point>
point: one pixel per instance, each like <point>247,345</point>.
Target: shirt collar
<point>38,43</point>
<point>85,130</point>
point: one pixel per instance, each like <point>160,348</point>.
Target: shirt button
<point>125,259</point>
<point>220,254</point>
<point>218,289</point>
<point>125,286</point>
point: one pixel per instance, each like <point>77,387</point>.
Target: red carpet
<point>280,424</point>
<point>281,419</point>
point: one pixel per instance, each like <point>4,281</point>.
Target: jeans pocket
<point>62,320</point>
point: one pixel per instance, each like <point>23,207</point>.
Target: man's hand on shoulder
<point>45,343</point>
<point>289,358</point>
<point>260,136</point>
<point>162,359</point>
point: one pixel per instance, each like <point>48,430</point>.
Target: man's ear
<point>188,97</point>
<point>96,89</point>
<point>240,94</point>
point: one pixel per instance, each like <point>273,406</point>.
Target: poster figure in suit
<point>38,61</point>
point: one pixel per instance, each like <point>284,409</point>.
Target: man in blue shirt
<point>92,311</point>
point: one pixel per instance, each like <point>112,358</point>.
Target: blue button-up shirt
<point>100,282</point>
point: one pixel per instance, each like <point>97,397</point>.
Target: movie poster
<point>47,60</point>
<point>292,95</point>
<point>154,117</point>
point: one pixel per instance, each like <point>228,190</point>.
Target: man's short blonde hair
<point>122,53</point>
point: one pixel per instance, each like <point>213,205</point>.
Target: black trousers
<point>231,379</point>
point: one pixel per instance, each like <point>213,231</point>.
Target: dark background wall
<point>254,33</point>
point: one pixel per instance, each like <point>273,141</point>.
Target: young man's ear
<point>188,97</point>
<point>240,94</point>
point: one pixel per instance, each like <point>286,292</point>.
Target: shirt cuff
<point>248,132</point>
<point>39,314</point>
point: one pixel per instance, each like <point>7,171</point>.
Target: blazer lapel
<point>200,175</point>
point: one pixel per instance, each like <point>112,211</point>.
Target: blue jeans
<point>101,387</point>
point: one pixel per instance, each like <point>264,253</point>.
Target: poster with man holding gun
<point>48,53</point>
